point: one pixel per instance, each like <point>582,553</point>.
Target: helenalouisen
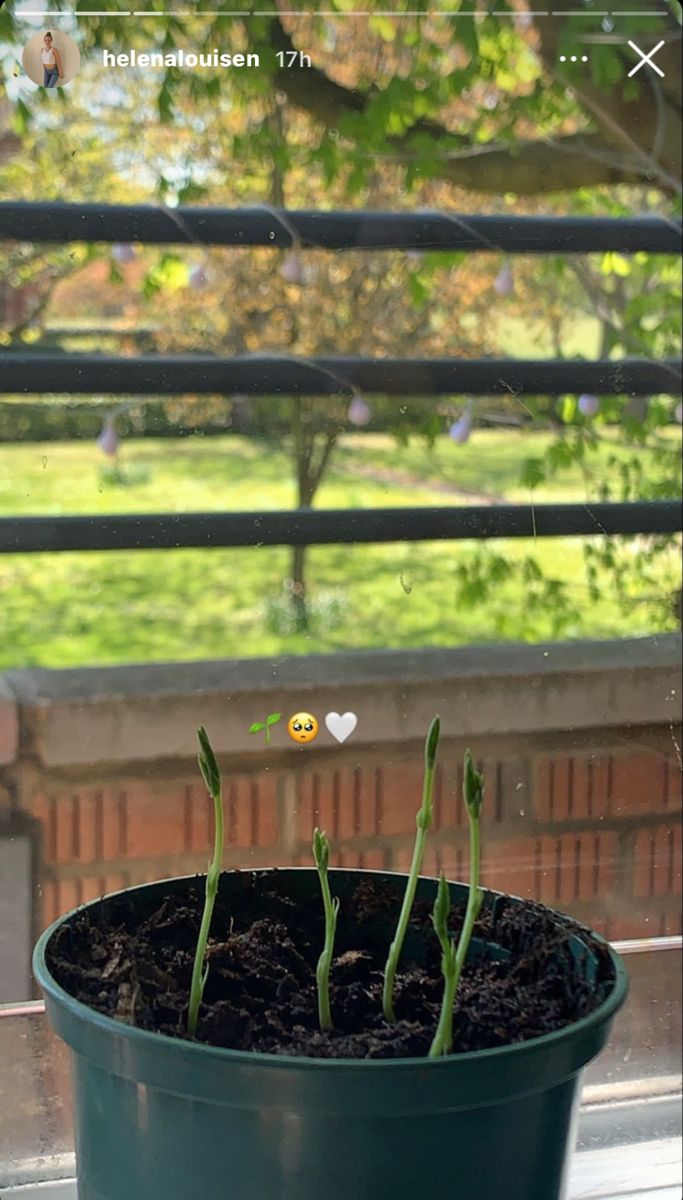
<point>179,58</point>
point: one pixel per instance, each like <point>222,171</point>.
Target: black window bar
<point>260,374</point>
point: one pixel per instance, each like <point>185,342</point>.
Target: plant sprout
<point>452,960</point>
<point>423,822</point>
<point>321,854</point>
<point>211,774</point>
<point>271,719</point>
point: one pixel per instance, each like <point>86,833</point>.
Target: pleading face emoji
<point>302,728</point>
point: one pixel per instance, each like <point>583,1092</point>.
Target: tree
<point>600,127</point>
<point>447,112</point>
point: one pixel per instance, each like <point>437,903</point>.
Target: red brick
<point>250,805</point>
<point>402,796</point>
<point>90,805</point>
<point>675,780</point>
<point>198,809</point>
<point>507,790</point>
<point>572,788</point>
<point>577,866</point>
<point>267,826</point>
<point>354,802</point>
<point>541,789</point>
<point>553,789</point>
<point>112,815</point>
<point>449,807</point>
<point>92,888</point>
<point>373,860</point>
<point>39,805</point>
<point>400,857</point>
<point>581,795</point>
<point>640,784</point>
<point>671,924</point>
<point>657,862</point>
<point>599,785</point>
<point>156,821</point>
<point>623,929</point>
<point>347,858</point>
<point>69,895</point>
<point>454,864</point>
<point>113,883</point>
<point>48,902</point>
<point>64,817</point>
<point>316,805</point>
<point>345,800</point>
<point>511,866</point>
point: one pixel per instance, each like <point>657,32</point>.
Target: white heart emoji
<point>341,725</point>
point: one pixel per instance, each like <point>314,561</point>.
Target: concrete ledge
<point>142,713</point>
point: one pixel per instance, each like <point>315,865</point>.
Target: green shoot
<point>423,823</point>
<point>443,1039</point>
<point>321,854</point>
<point>211,774</point>
<point>452,960</point>
<point>271,719</point>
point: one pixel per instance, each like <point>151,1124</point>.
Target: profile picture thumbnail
<point>51,58</point>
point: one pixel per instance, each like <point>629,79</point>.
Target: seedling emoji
<point>271,719</point>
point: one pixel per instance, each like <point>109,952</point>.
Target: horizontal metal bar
<point>308,527</point>
<point>55,373</point>
<point>47,221</point>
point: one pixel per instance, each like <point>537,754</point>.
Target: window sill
<point>646,1171</point>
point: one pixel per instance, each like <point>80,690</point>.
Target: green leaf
<point>532,473</point>
<point>208,764</point>
<point>568,409</point>
<point>321,850</point>
<point>473,786</point>
<point>256,727</point>
<point>22,118</point>
<point>432,743</point>
<point>385,27</point>
<point>273,718</point>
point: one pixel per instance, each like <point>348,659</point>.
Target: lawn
<point>101,608</point>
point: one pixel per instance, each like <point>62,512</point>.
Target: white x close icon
<point>646,58</point>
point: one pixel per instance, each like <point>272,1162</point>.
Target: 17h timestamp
<point>289,59</point>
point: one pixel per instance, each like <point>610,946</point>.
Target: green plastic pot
<point>158,1118</point>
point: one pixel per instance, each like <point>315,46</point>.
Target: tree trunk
<point>299,604</point>
<point>311,455</point>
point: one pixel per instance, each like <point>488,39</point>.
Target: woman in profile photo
<point>52,67</point>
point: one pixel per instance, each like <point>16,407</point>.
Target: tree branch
<point>613,155</point>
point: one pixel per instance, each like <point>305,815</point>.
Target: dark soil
<point>529,973</point>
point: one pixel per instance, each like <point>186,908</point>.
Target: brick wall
<point>578,831</point>
<point>583,776</point>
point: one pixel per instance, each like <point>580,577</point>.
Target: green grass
<point>98,608</point>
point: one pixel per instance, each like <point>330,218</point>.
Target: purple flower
<point>198,278</point>
<point>292,269</point>
<point>504,284</point>
<point>589,405</point>
<point>359,413</point>
<point>123,252</point>
<point>636,409</point>
<point>108,441</point>
<point>461,429</point>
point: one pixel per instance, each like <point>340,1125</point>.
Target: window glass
<point>339,376</point>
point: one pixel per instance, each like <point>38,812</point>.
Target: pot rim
<point>254,1058</point>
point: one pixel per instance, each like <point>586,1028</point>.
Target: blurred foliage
<point>393,114</point>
